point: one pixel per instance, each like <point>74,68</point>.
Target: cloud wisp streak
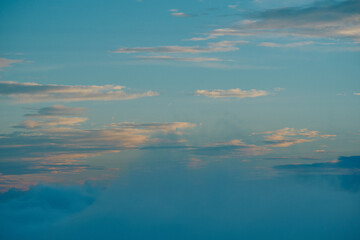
<point>223,46</point>
<point>34,92</point>
<point>177,13</point>
<point>231,93</point>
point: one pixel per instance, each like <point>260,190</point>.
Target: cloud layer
<point>50,141</point>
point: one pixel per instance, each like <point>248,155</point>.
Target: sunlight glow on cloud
<point>34,92</point>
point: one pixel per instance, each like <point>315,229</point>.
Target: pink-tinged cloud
<point>231,93</point>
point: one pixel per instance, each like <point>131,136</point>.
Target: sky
<point>193,119</point>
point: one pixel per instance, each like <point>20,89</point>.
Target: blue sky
<point>126,101</point>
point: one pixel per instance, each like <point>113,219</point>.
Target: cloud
<point>236,92</point>
<point>52,122</point>
<point>53,145</point>
<point>286,45</point>
<point>53,117</point>
<point>5,62</point>
<point>57,110</point>
<point>344,165</point>
<point>223,46</point>
<point>34,92</point>
<point>177,13</point>
<point>227,149</point>
<point>287,137</point>
<point>186,59</point>
<point>172,127</point>
<point>332,19</point>
<point>343,173</point>
<point>358,94</point>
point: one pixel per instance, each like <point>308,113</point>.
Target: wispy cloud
<point>51,122</point>
<point>228,149</point>
<point>34,92</point>
<point>186,59</point>
<point>5,62</point>
<point>177,13</point>
<point>223,46</point>
<point>54,116</point>
<point>331,20</point>
<point>287,137</point>
<point>57,110</point>
<point>231,93</point>
<point>344,165</point>
<point>286,45</point>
